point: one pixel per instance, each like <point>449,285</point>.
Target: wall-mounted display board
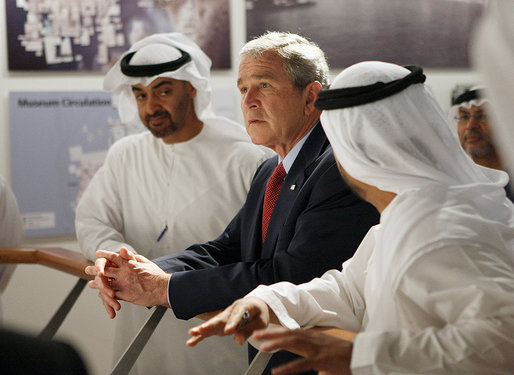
<point>58,142</point>
<point>430,33</point>
<point>89,35</point>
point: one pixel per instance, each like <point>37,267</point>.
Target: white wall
<point>35,291</point>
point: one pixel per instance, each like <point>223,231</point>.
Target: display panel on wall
<point>58,142</point>
<point>430,33</point>
<point>88,35</point>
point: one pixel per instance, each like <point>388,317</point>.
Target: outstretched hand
<point>230,321</point>
<point>128,277</point>
<point>321,350</point>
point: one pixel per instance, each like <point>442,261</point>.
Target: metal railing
<point>74,263</point>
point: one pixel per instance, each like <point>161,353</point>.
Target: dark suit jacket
<point>316,225</point>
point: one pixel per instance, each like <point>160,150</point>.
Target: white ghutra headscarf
<point>403,141</point>
<point>161,49</point>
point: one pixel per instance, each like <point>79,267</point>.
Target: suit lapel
<point>293,183</point>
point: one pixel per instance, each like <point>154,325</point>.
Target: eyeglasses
<point>464,118</point>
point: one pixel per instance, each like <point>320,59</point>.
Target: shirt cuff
<point>168,291</point>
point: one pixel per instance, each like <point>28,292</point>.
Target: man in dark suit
<point>316,223</point>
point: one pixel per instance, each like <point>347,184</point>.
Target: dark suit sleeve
<point>212,270</point>
<point>328,228</point>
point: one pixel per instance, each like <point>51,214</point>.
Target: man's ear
<point>191,90</point>
<point>311,95</point>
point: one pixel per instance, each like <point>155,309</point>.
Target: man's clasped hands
<point>130,277</point>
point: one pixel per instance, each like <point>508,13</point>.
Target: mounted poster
<point>430,33</point>
<point>88,35</point>
<point>58,141</point>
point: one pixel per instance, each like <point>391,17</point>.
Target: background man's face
<point>272,107</point>
<point>473,130</point>
<point>164,105</point>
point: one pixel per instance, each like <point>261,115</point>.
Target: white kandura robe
<point>11,231</point>
<point>195,188</point>
<point>430,291</point>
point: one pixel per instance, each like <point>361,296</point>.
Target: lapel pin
<point>292,187</point>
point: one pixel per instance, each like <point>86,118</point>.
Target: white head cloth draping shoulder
<point>162,48</point>
<point>401,142</point>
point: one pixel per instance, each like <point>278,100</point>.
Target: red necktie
<point>270,197</point>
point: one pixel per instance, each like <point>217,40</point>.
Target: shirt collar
<point>291,155</point>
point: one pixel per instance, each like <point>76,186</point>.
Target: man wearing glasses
<point>469,113</point>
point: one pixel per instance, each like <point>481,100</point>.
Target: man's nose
<point>473,122</point>
<point>250,99</point>
<point>153,105</point>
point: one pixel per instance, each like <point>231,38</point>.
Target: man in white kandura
<point>430,290</point>
<point>161,191</point>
